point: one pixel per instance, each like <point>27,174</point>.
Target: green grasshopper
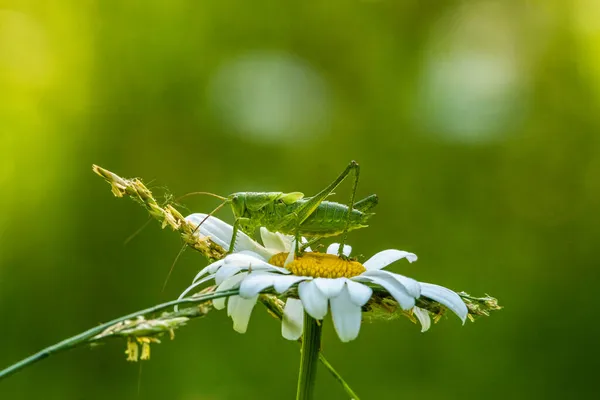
<point>292,214</point>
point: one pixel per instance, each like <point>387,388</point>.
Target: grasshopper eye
<point>237,200</point>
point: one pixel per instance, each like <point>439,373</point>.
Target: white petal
<point>423,317</point>
<point>445,297</point>
<point>240,310</point>
<point>291,255</point>
<point>209,269</point>
<point>273,241</point>
<point>313,300</point>
<point>284,282</point>
<point>359,293</point>
<point>231,304</point>
<point>229,283</point>
<point>244,259</point>
<point>220,232</point>
<point>248,261</point>
<point>346,316</point>
<point>253,254</point>
<point>255,282</point>
<point>192,286</point>
<point>386,257</point>
<point>330,287</point>
<point>412,287</point>
<point>292,323</point>
<point>394,288</point>
<point>287,239</point>
<point>226,271</point>
<point>335,247</point>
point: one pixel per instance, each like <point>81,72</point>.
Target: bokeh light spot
<point>270,97</point>
<point>471,87</point>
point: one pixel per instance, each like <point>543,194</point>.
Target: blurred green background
<point>475,121</point>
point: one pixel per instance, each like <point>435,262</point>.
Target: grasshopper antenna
<point>137,232</point>
<point>197,193</point>
<point>225,201</point>
<point>210,215</point>
<point>194,231</point>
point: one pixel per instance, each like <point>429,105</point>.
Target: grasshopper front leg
<point>239,222</point>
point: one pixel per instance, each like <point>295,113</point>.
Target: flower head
<point>323,281</point>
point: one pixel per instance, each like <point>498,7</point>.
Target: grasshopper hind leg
<point>302,213</point>
<point>365,205</point>
<point>356,168</point>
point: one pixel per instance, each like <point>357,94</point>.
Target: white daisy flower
<point>323,280</point>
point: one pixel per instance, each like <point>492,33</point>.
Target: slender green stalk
<point>112,328</point>
<point>336,375</point>
<point>311,346</point>
<point>90,333</point>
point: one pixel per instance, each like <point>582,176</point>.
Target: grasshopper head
<point>238,204</point>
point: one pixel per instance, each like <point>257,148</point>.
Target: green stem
<point>336,375</point>
<point>85,336</point>
<point>311,346</point>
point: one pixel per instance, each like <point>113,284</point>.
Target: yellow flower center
<point>319,265</point>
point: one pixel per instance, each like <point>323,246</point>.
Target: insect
<point>293,214</point>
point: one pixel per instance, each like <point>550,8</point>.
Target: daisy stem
<point>311,346</point>
<point>277,310</point>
